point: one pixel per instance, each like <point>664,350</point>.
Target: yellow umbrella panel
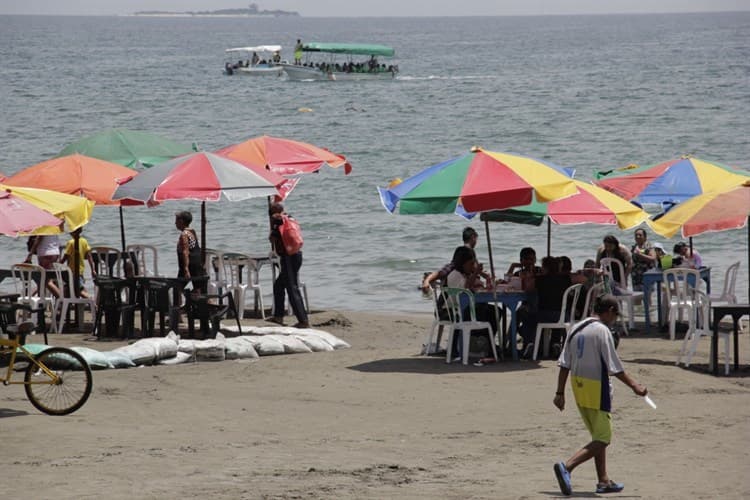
<point>74,210</point>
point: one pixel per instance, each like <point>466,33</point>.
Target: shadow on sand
<point>7,413</point>
<point>436,365</point>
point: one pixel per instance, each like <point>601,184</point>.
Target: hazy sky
<point>354,8</point>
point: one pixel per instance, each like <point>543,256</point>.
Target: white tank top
<point>48,245</point>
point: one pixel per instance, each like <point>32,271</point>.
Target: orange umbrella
<point>94,179</point>
<point>91,178</point>
<point>285,157</point>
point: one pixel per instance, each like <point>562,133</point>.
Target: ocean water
<point>589,92</point>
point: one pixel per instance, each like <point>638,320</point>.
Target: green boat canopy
<point>362,49</point>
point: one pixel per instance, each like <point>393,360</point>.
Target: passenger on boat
<point>255,58</point>
<point>298,52</point>
<point>276,57</point>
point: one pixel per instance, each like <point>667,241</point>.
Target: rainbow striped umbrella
<point>670,182</point>
<point>713,211</point>
<point>591,205</point>
<point>476,182</point>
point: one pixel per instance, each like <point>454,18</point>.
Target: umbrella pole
<point>76,279</point>
<point>549,237</point>
<point>76,266</point>
<point>203,231</point>
<point>489,249</point>
<point>122,230</point>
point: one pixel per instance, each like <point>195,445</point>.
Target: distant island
<point>251,11</point>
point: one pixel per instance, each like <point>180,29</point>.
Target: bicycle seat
<point>20,331</point>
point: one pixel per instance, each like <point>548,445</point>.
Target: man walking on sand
<point>589,355</point>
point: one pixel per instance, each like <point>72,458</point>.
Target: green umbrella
<point>130,148</point>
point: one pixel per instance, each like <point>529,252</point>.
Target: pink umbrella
<point>18,216</point>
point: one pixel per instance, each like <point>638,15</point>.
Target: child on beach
<point>589,354</point>
<point>84,254</point>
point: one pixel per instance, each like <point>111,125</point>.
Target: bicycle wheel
<point>72,389</point>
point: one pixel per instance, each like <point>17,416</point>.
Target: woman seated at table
<point>466,274</point>
<point>550,287</point>
<point>684,256</point>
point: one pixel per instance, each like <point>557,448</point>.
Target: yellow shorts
<point>599,424</point>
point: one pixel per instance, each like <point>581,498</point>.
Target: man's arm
<point>562,379</point>
<point>626,379</point>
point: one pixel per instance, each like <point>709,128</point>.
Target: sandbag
<point>239,348</point>
<point>95,359</point>
<point>314,342</point>
<point>336,342</point>
<point>118,359</point>
<point>179,358</point>
<point>149,350</point>
<point>265,345</point>
<point>210,349</point>
<point>262,330</point>
<point>140,353</point>
<point>292,345</point>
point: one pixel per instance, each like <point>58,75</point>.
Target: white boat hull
<point>306,73</point>
<point>257,71</point>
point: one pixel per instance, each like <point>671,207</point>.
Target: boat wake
<point>443,77</point>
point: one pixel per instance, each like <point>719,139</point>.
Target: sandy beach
<point>375,421</point>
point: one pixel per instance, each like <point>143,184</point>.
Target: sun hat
<point>659,246</point>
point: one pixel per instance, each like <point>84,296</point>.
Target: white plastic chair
<point>727,295</point>
<point>624,294</point>
<point>107,261</point>
<point>703,303</point>
<point>454,298</point>
<point>566,320</point>
<point>253,282</point>
<point>214,266</point>
<point>146,258</point>
<point>32,293</point>
<point>234,263</point>
<point>680,285</point>
<point>435,333</point>
<point>68,298</point>
<point>594,291</point>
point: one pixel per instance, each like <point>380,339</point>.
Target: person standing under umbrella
<point>288,280</point>
<point>188,250</point>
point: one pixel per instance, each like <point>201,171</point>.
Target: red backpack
<point>291,235</point>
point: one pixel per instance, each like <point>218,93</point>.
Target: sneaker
<point>563,479</point>
<point>610,487</point>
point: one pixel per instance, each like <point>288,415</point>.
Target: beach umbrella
<point>76,174</point>
<point>73,210</point>
<point>130,148</point>
<point>94,179</point>
<point>669,182</point>
<point>203,177</point>
<point>286,157</point>
<point>18,216</point>
<point>590,205</point>
<point>476,182</point>
<point>720,210</point>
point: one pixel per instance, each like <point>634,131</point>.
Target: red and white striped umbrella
<point>203,177</point>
